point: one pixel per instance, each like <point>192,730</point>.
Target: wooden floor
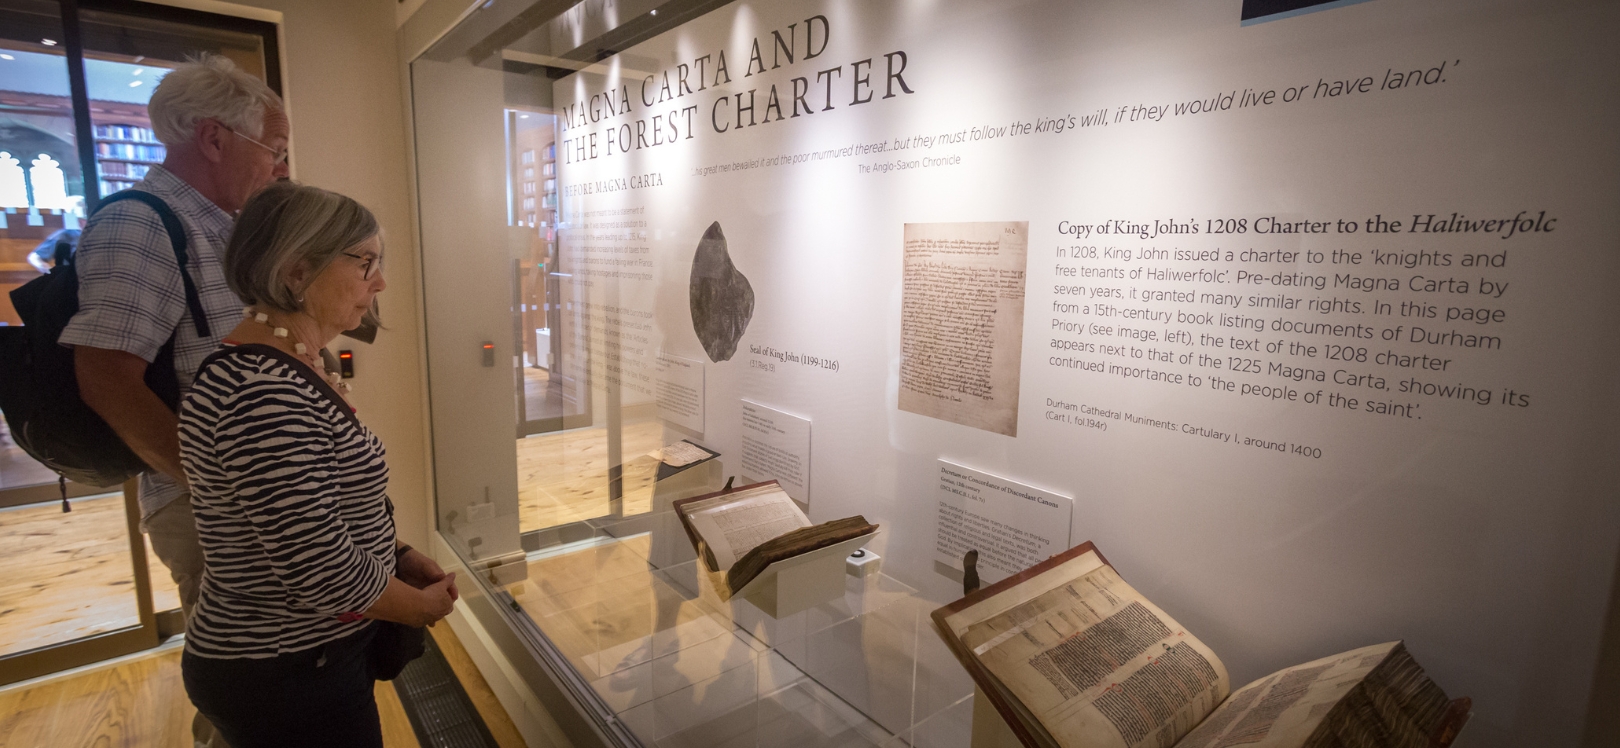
<point>538,400</point>
<point>65,576</point>
<point>563,477</point>
<point>142,704</point>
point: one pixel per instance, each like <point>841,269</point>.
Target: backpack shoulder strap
<point>177,237</point>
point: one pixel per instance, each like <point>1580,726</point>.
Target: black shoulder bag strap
<point>177,237</point>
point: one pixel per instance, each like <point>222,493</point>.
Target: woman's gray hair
<point>209,86</point>
<point>283,226</point>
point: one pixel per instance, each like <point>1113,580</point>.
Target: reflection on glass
<point>125,58</point>
<point>584,500</point>
<point>41,184</point>
<point>531,153</point>
<point>65,576</point>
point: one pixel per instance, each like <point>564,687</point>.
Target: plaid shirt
<point>131,298</point>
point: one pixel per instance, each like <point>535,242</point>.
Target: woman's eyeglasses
<point>370,265</point>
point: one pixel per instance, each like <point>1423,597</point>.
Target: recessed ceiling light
<point>137,71</point>
<point>48,42</point>
<point>138,58</point>
<point>6,57</point>
<point>655,11</point>
<point>133,84</point>
<point>523,116</point>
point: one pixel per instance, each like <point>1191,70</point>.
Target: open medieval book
<point>743,531</point>
<point>1071,656</point>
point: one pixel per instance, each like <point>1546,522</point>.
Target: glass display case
<point>568,529</point>
<point>1006,277</point>
<point>635,614</point>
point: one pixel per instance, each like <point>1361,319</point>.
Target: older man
<point>226,137</point>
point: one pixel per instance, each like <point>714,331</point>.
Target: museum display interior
<point>1003,278</point>
<point>779,373</point>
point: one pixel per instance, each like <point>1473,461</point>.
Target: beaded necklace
<point>333,378</point>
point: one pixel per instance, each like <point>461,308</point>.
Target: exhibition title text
<point>667,115</point>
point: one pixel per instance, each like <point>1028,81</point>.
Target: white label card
<point>1013,526</point>
<point>776,445</point>
<point>680,391</point>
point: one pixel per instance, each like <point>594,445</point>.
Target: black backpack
<point>39,390</point>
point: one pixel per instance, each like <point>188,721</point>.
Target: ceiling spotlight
<point>133,84</point>
<point>48,42</point>
<point>523,116</point>
<point>137,71</point>
<point>6,57</point>
<point>655,11</point>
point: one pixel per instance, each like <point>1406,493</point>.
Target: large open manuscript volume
<point>1072,657</point>
<point>742,531</point>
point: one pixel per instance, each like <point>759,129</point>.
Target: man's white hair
<point>209,87</point>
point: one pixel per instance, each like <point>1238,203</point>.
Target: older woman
<point>289,491</point>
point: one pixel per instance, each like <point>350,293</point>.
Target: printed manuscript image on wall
<point>962,322</point>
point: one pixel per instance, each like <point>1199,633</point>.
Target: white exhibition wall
<point>1318,326</point>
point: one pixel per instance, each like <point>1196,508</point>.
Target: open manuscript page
<point>1284,709</point>
<point>731,525</point>
<point>1094,662</point>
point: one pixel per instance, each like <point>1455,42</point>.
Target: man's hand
<point>416,569</point>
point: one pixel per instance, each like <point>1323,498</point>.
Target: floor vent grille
<point>439,709</point>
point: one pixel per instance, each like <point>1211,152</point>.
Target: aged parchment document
<point>1097,664</point>
<point>1398,705</point>
<point>680,454</point>
<point>733,524</point>
<point>962,322</point>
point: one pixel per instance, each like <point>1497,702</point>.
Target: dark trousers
<point>319,697</point>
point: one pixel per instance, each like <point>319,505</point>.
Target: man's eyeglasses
<point>370,265</point>
<point>281,155</point>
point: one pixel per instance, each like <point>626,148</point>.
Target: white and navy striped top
<point>290,493</point>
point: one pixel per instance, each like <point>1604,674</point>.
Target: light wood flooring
<point>142,703</point>
<point>563,476</point>
<point>66,576</point>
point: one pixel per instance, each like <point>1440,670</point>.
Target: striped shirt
<point>130,296</point>
<point>290,493</point>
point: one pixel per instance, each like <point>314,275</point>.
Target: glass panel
<point>975,270</point>
<point>612,580</point>
<point>488,191</point>
<point>42,189</point>
<point>64,576</point>
<point>125,57</point>
<point>68,576</point>
<point>532,184</point>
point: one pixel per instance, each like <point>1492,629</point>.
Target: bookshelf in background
<point>123,154</point>
<point>548,168</point>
